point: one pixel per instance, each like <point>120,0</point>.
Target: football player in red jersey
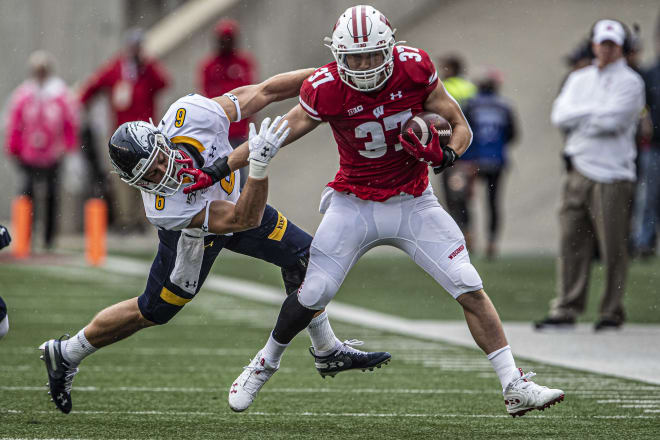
<point>381,196</point>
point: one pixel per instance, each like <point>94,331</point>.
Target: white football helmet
<point>363,29</point>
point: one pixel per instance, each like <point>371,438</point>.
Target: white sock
<point>322,336</point>
<point>503,364</point>
<point>273,351</point>
<point>77,348</point>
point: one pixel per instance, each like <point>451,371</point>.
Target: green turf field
<point>172,381</point>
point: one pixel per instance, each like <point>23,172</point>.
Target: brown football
<point>421,126</point>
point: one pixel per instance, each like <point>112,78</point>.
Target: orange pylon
<point>21,224</point>
<point>96,225</point>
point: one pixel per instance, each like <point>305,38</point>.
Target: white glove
<point>265,145</point>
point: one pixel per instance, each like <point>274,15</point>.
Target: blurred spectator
<point>457,179</point>
<point>132,81</point>
<point>599,105</point>
<point>226,69</point>
<point>41,126</point>
<point>5,239</point>
<point>648,199</point>
<point>451,71</point>
<point>494,127</point>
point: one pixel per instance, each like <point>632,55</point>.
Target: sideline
<point>631,353</point>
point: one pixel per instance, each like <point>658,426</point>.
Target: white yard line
<point>631,353</point>
<point>197,390</point>
<point>216,416</point>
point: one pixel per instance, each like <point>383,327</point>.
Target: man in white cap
<point>598,106</point>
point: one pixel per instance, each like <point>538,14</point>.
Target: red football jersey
<point>366,125</point>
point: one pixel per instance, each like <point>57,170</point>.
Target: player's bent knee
<point>293,276</point>
<point>317,291</point>
<point>465,279</point>
<point>156,310</point>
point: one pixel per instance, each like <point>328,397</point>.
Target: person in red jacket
<point>132,81</point>
<point>226,69</point>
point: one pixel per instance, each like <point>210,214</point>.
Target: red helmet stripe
<point>363,14</point>
<point>355,31</point>
<point>385,20</point>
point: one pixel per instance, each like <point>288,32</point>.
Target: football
<point>421,126</point>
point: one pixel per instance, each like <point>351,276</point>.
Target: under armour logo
<point>397,95</point>
<point>379,111</point>
<point>62,398</point>
<point>331,364</point>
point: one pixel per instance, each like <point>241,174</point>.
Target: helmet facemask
<point>169,183</point>
<point>365,80</point>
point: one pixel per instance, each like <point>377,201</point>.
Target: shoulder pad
<point>321,94</point>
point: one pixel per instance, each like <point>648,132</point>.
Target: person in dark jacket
<point>494,128</point>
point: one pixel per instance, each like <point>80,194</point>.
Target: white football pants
<point>418,226</point>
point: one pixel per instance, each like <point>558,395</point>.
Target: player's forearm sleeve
<point>218,170</point>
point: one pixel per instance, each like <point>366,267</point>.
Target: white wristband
<point>258,170</point>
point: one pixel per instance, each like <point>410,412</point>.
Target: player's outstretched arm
<point>440,102</point>
<point>299,123</point>
<point>255,97</point>
<point>222,216</point>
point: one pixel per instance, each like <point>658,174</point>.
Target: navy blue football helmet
<point>134,148</point>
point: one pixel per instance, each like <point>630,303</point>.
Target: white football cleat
<point>244,389</point>
<point>523,395</point>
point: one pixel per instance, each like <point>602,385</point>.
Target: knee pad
<point>465,278</point>
<point>4,326</point>
<point>317,290</point>
<point>160,309</point>
<point>293,276</point>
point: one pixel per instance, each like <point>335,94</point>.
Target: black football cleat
<point>347,358</point>
<point>60,374</point>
